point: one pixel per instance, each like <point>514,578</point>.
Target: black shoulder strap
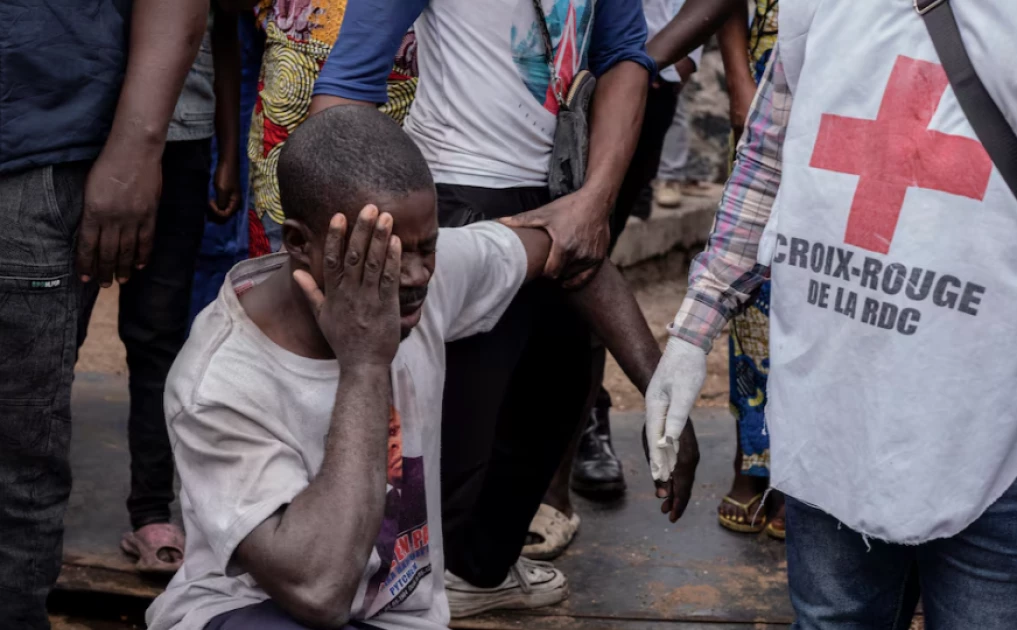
<point>985,117</point>
<point>545,34</point>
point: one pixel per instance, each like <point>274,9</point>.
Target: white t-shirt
<point>658,14</point>
<point>485,111</point>
<point>248,419</point>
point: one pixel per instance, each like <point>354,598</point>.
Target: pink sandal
<point>159,548</point>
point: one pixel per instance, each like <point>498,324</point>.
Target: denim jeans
<point>838,583</point>
<point>153,319</point>
<point>40,300</point>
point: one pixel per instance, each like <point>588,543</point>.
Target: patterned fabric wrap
<point>299,38</point>
<point>749,363</point>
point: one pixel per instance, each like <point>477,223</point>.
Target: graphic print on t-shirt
<point>403,543</point>
<point>570,23</point>
<point>890,155</point>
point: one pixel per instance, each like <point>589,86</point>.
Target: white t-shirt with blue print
<point>484,113</point>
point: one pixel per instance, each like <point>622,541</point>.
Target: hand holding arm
<point>578,223</point>
<point>310,556</point>
<point>123,187</point>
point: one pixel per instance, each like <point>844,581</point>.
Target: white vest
<point>893,245</point>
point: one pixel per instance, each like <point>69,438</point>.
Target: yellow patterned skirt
<point>288,73</point>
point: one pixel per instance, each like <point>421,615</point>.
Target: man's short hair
<point>343,158</point>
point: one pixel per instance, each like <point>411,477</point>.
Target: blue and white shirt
<point>484,114</point>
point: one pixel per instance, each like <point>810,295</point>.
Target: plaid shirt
<point>724,277</point>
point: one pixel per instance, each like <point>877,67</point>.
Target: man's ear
<point>297,241</point>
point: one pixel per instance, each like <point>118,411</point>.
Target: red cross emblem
<point>896,151</point>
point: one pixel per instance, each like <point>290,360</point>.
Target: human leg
<point>749,364</point>
<point>840,581</point>
<point>673,159</point>
<point>970,580</point>
<point>40,297</point>
<point>154,309</point>
<point>477,376</point>
<point>548,391</point>
<point>266,616</point>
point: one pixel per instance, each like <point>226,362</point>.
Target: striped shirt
<point>725,275</point>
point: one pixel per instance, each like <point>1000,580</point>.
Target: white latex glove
<point>673,391</point>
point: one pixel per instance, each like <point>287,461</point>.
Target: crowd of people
<point>406,296</point>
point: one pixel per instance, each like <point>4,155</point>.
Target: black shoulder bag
<point>567,171</point>
<point>982,112</point>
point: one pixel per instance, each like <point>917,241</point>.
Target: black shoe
<point>597,471</point>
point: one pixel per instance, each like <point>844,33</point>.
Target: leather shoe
<point>597,471</point>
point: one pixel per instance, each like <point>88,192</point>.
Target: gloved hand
<point>669,399</point>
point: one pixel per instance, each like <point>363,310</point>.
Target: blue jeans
<point>967,581</point>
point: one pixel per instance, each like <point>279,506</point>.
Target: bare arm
<point>734,50</point>
<point>122,191</point>
<point>695,23</point>
<point>607,304</point>
<point>226,59</point>
<point>617,116</point>
<point>310,556</point>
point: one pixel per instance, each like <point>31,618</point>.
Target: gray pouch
<point>567,171</point>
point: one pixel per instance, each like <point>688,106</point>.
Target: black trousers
<point>266,616</point>
<point>661,101</point>
<point>154,307</point>
<point>513,398</point>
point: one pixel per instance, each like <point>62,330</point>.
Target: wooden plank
<point>629,567</point>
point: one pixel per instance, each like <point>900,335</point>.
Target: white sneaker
<point>530,584</point>
<point>667,193</point>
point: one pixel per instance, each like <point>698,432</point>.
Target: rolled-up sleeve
<point>369,38</point>
<point>619,34</point>
<point>725,276</point>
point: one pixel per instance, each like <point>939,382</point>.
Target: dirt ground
<point>659,286</point>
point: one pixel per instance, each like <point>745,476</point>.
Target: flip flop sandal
<point>554,530</point>
<point>776,529</point>
<point>748,524</point>
<point>158,548</point>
